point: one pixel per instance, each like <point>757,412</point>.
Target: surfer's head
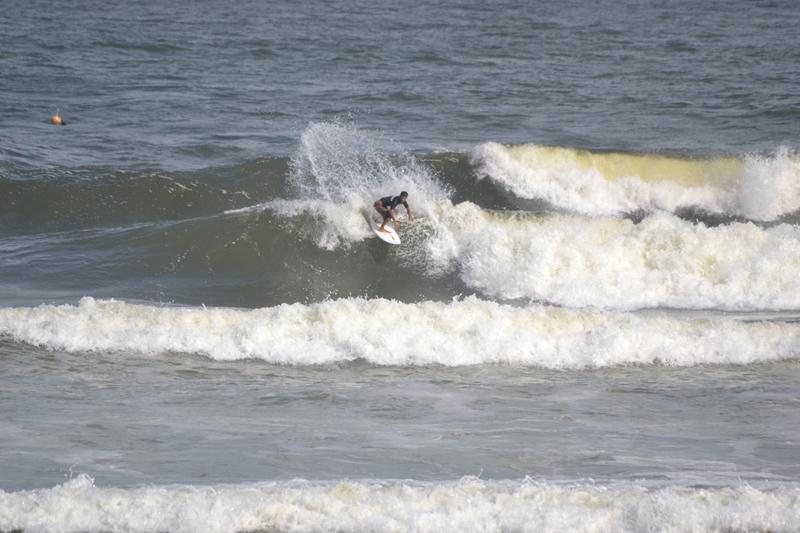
<point>57,120</point>
<point>403,195</point>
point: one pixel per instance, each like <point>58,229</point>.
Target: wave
<point>345,168</point>
<point>462,332</point>
<point>466,505</point>
<point>575,261</point>
<point>571,260</point>
<point>756,187</point>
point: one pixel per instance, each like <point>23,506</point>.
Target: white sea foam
<point>614,263</point>
<point>463,332</point>
<point>758,187</point>
<point>466,505</point>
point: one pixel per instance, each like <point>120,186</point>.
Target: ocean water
<point>592,323</point>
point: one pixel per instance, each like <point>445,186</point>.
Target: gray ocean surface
<point>592,322</point>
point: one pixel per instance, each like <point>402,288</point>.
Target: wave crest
<point>757,187</point>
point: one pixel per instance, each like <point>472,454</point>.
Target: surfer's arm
<point>408,210</point>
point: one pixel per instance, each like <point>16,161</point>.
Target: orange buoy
<point>57,120</point>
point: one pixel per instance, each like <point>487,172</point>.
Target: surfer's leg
<point>383,212</point>
<point>386,216</point>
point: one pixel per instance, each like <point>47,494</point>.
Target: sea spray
<point>339,171</point>
<point>769,186</point>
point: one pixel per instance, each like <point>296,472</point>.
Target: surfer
<point>385,206</point>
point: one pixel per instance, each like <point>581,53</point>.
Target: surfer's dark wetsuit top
<point>390,202</point>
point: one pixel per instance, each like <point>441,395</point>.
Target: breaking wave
<point>462,332</point>
<point>758,187</point>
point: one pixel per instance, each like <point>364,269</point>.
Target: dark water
<point>591,320</point>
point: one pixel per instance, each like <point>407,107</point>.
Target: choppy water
<point>592,324</point>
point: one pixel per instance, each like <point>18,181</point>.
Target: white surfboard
<point>388,235</point>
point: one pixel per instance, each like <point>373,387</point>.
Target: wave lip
<point>462,332</point>
<point>757,187</point>
<point>465,505</point>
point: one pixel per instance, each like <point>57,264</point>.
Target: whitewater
<point>466,505</point>
<point>468,331</point>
